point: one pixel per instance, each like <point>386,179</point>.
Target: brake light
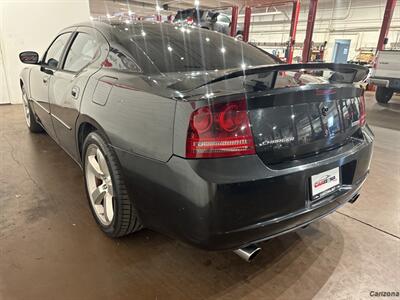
<point>363,113</point>
<point>220,130</point>
<point>189,20</point>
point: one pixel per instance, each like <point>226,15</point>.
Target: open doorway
<point>341,51</point>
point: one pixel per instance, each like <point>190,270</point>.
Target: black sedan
<point>198,135</point>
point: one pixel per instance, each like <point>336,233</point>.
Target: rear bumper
<point>278,226</point>
<point>393,83</point>
<point>221,204</point>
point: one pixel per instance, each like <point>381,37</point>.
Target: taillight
<point>363,113</point>
<point>189,20</point>
<point>220,130</point>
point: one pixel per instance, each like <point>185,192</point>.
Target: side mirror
<point>29,57</point>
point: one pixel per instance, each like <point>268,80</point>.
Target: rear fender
<point>81,121</point>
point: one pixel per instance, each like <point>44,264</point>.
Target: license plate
<point>325,183</point>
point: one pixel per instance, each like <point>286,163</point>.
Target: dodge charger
<point>198,135</point>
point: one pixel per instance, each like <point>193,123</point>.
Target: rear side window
<point>53,54</point>
<point>83,51</point>
<point>122,61</point>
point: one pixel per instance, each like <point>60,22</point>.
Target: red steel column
<point>310,29</point>
<point>387,19</point>
<point>246,26</point>
<point>234,19</point>
<point>293,29</point>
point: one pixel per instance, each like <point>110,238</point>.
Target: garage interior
<point>51,248</point>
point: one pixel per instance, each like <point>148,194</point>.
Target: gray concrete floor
<point>51,248</point>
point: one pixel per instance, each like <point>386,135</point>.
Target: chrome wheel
<point>99,184</point>
<point>27,112</point>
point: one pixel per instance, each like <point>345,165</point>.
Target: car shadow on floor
<point>306,258</point>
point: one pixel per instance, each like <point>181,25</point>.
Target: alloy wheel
<point>99,184</point>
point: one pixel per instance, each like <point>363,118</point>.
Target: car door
<point>40,77</point>
<point>84,55</point>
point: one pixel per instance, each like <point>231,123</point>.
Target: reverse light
<point>220,130</point>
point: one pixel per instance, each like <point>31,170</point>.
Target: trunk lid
<point>293,111</point>
<point>295,123</point>
<point>299,110</point>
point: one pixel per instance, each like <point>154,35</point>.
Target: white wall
<point>4,95</point>
<point>356,20</point>
<point>31,25</point>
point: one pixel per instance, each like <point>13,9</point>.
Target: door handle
<point>75,92</point>
<point>45,79</point>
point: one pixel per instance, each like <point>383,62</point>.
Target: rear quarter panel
<point>134,120</point>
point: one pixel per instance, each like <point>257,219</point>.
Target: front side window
<point>53,54</point>
<point>83,51</point>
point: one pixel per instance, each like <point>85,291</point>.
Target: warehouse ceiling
<point>166,7</point>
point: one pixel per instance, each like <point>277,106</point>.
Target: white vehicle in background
<point>386,74</point>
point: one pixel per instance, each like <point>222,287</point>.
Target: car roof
<point>107,29</point>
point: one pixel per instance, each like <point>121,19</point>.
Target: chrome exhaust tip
<point>248,253</point>
<point>354,199</point>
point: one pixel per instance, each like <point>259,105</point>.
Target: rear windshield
<point>165,48</point>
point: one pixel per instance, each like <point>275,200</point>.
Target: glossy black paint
<point>221,204</point>
<point>211,203</point>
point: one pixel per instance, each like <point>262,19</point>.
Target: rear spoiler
<point>343,73</point>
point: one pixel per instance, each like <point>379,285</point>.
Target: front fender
<point>24,80</point>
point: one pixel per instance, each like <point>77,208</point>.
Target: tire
<point>383,95</point>
<point>124,218</point>
<point>30,118</point>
